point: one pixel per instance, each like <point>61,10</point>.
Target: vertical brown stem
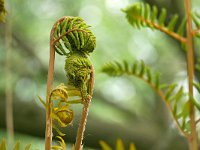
<point>190,69</point>
<point>83,121</point>
<point>8,86</point>
<point>48,132</point>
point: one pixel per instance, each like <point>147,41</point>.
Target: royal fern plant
<point>70,37</point>
<point>182,105</point>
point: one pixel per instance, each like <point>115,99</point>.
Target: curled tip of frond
<point>3,11</point>
<point>143,15</point>
<point>74,35</point>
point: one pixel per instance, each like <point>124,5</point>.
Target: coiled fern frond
<point>74,35</point>
<point>143,15</point>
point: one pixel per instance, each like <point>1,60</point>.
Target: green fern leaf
<point>154,14</point>
<point>27,147</point>
<point>149,75</point>
<point>141,14</point>
<point>3,12</point>
<point>169,91</point>
<point>182,27</point>
<point>134,68</point>
<point>197,86</point>
<point>157,81</point>
<point>162,17</point>
<point>3,145</point>
<point>172,23</point>
<point>196,19</point>
<point>104,145</point>
<point>119,145</point>
<point>142,69</point>
<point>17,146</point>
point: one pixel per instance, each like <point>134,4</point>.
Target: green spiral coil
<point>76,38</point>
<point>79,37</point>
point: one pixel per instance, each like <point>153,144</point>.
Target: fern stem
<point>165,30</point>
<point>48,132</point>
<point>190,69</point>
<point>83,121</point>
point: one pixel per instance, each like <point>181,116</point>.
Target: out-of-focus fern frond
<point>197,66</point>
<point>143,15</point>
<point>119,145</point>
<point>3,11</point>
<point>196,20</point>
<point>16,146</point>
<point>138,69</point>
<point>172,95</point>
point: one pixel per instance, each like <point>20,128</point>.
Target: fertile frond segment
<point>73,34</point>
<point>3,11</point>
<point>143,15</point>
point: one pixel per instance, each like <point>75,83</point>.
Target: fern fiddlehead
<point>79,41</point>
<point>71,37</point>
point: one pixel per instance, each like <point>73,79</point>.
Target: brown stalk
<point>8,86</point>
<point>83,121</point>
<point>165,30</point>
<point>48,132</point>
<point>193,142</point>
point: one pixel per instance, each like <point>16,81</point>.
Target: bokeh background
<point>122,107</point>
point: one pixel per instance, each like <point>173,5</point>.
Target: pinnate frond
<point>172,95</point>
<point>143,15</point>
<point>137,69</point>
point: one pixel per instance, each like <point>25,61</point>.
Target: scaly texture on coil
<point>78,69</point>
<point>79,37</point>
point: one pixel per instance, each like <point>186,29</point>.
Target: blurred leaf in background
<point>123,107</point>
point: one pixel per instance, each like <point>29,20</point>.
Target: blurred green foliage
<point>122,107</point>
